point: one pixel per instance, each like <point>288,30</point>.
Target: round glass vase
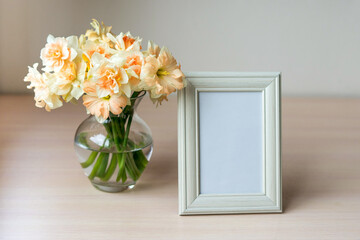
<point>113,154</point>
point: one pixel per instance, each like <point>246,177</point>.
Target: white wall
<point>315,44</point>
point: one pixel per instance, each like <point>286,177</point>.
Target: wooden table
<point>44,194</point>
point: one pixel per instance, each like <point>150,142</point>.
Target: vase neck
<point>135,99</point>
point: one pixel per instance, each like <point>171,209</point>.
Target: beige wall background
<point>315,44</point>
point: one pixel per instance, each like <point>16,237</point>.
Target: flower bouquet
<point>111,73</point>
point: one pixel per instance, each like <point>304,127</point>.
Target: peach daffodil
<point>132,66</point>
<point>153,49</point>
<point>109,75</point>
<point>91,47</point>
<point>101,107</point>
<point>55,54</point>
<point>161,74</point>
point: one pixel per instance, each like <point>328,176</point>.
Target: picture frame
<point>229,143</point>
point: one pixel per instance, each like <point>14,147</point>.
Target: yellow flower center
<point>161,73</point>
<point>107,97</point>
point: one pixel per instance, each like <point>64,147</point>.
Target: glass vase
<point>114,154</point>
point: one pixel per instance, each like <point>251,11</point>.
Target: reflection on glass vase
<point>113,154</point>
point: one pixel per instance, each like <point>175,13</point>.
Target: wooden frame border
<point>190,200</point>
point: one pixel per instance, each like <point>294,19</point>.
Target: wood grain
<point>44,194</point>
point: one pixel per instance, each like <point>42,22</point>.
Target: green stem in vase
<point>128,112</point>
<point>141,161</point>
<point>128,158</point>
<point>118,148</point>
<point>96,166</point>
<point>131,167</point>
<point>124,144</point>
<point>101,160</point>
<point>121,174</point>
<point>117,125</point>
<point>92,156</point>
<point>90,160</point>
<point>115,134</point>
<point>104,162</point>
<point>121,124</point>
<point>109,131</point>
<point>111,169</point>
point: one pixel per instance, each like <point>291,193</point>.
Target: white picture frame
<point>195,195</point>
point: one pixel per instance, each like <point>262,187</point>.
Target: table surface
<point>45,195</point>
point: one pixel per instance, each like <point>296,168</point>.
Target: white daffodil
<point>41,83</point>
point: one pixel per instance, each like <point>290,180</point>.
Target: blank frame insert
<point>231,137</point>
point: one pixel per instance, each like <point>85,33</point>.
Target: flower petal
<point>126,90</point>
<point>50,38</point>
<point>116,103</point>
<point>101,92</point>
<point>73,41</point>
